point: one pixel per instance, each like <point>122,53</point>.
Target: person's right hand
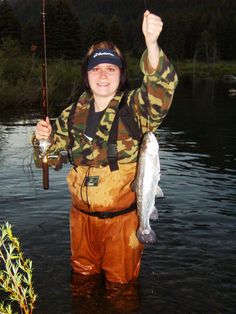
<point>43,130</point>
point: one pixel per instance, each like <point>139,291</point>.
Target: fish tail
<point>146,237</point>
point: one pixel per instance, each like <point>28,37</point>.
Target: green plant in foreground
<point>15,273</point>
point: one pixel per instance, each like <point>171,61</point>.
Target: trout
<point>146,187</point>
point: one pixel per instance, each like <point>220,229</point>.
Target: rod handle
<point>45,176</point>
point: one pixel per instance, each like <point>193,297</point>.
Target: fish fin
<point>154,214</point>
<point>133,186</point>
<point>159,192</point>
<point>146,236</point>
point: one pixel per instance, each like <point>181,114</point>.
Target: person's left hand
<point>152,27</point>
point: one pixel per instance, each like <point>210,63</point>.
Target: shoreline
<point>21,77</point>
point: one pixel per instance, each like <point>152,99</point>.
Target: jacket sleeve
<point>152,100</point>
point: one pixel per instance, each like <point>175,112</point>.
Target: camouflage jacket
<point>150,104</point>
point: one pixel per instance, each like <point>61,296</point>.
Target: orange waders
<point>108,244</point>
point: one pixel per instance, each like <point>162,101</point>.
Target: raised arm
<point>152,100</point>
<point>152,27</point>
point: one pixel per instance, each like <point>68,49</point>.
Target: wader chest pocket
<point>91,181</point>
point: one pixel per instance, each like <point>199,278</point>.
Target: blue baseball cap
<point>103,56</point>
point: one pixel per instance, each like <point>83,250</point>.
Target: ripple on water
<point>191,269</point>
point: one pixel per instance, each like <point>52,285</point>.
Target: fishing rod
<point>44,144</point>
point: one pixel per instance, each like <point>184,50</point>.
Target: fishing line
<point>28,170</point>
<point>145,4</point>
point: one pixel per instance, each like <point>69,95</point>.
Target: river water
<point>192,268</point>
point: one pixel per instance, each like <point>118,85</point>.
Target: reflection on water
<point>192,267</point>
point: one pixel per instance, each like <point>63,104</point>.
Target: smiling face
<point>104,52</point>
<point>104,80</point>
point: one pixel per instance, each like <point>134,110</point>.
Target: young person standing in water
<point>103,152</point>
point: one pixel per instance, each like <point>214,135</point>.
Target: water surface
<point>192,268</point>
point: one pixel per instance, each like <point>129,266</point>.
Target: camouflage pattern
<point>150,103</point>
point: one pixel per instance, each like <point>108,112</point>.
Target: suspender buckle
<point>112,152</point>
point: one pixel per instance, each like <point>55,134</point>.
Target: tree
<point>9,25</point>
<point>64,37</point>
<point>30,34</point>
<point>171,39</point>
<point>115,33</point>
<point>96,30</point>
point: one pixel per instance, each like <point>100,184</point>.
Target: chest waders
<point>103,234</point>
<point>125,113</point>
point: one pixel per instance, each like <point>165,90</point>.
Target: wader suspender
<point>112,153</point>
<point>126,114</point>
<point>71,136</point>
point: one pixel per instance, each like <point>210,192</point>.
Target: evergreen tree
<point>96,30</point>
<point>134,38</point>
<point>9,25</point>
<point>30,34</point>
<point>50,22</point>
<point>63,30</point>
<point>226,37</point>
<point>185,22</point>
<point>172,40</point>
<point>232,43</point>
<point>115,33</point>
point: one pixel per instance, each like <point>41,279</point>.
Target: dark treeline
<point>200,29</point>
<point>198,35</point>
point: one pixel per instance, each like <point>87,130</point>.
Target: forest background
<point>199,36</point>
